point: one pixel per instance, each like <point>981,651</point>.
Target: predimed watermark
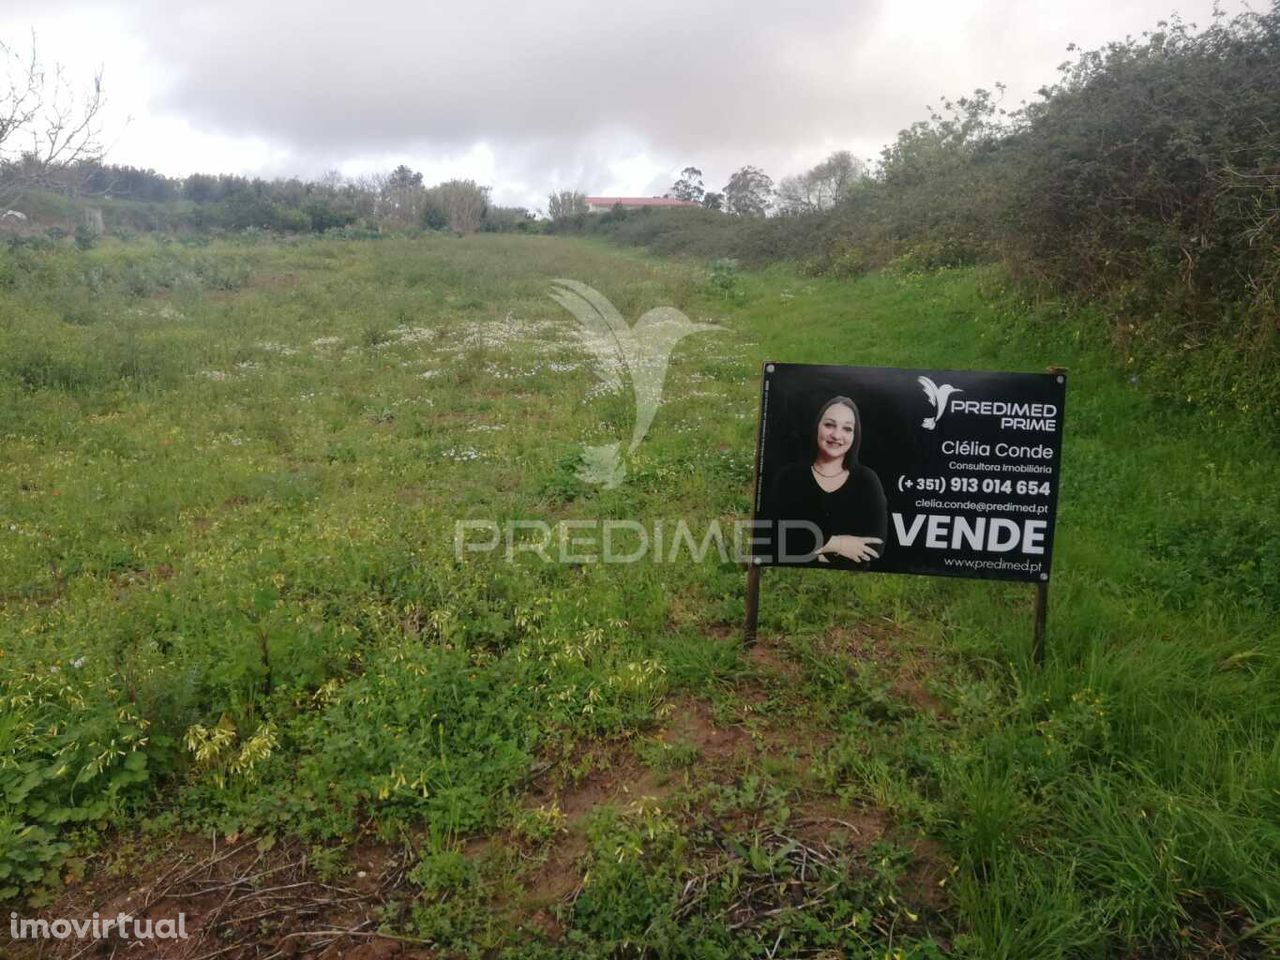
<point>629,541</point>
<point>122,926</point>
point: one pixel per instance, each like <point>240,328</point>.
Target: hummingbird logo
<point>938,396</point>
<point>621,351</point>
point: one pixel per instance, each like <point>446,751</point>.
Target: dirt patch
<point>839,824</point>
<point>237,900</point>
<point>769,660</point>
<point>914,692</point>
<point>624,783</point>
<point>723,631</point>
<point>379,949</point>
<point>844,826</point>
<point>1216,927</point>
<point>928,875</point>
<point>557,878</point>
<point>880,641</point>
<point>910,665</point>
<point>613,777</point>
<point>802,740</point>
<point>545,924</point>
<point>691,721</point>
<point>479,848</point>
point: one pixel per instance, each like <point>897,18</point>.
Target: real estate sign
<point>940,472</point>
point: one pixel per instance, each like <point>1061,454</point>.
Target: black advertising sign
<point>948,473</point>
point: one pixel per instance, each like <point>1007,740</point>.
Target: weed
<point>231,602</point>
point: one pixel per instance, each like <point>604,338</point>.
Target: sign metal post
<point>752,618</point>
<point>1042,615</point>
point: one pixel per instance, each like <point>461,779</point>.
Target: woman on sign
<point>832,493</point>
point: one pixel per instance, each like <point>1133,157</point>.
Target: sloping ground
<point>710,770</point>
<point>250,681</point>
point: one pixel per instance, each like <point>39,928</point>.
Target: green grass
<point>230,479</point>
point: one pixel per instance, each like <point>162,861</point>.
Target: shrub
<point>1145,180</point>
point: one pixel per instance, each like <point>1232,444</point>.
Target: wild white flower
<point>407,334</point>
<point>272,346</point>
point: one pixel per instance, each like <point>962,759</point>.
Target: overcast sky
<point>607,98</point>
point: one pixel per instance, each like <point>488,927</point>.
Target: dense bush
<point>1146,179</point>
<point>1152,172</point>
<point>508,220</point>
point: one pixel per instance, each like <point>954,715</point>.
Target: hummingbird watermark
<point>621,351</point>
<point>938,396</point>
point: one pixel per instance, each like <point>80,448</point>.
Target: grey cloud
<point>375,77</point>
<point>563,91</point>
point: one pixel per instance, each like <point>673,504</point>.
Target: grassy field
<point>237,644</point>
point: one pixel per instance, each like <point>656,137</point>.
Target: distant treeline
<point>135,200</point>
<point>1146,181</point>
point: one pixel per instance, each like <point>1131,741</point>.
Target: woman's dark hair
<point>850,455</point>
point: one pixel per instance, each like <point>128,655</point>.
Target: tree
<point>795,195</point>
<point>402,178</point>
<point>689,186</point>
<point>822,187</point>
<point>46,128</point>
<point>402,198</point>
<point>564,204</point>
<point>463,203</point>
<point>748,192</point>
<point>204,188</point>
<point>712,200</point>
<point>835,177</point>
